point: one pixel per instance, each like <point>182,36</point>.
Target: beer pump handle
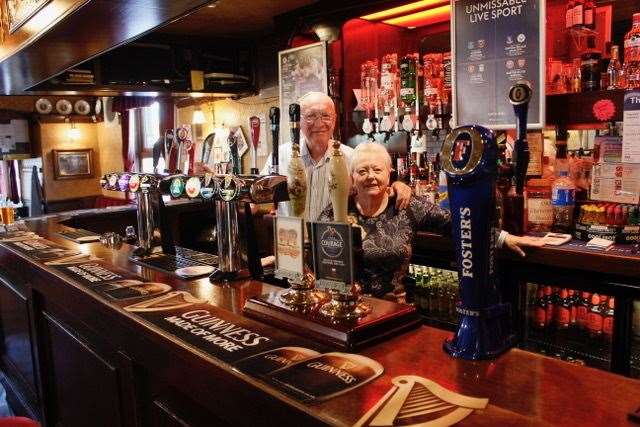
<point>274,118</point>
<point>294,123</point>
<point>519,96</point>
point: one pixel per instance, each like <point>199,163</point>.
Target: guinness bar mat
<point>39,249</point>
<point>79,235</point>
<point>215,331</point>
<point>270,361</point>
<point>325,376</point>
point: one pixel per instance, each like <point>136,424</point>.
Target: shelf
<point>585,107</point>
<point>72,118</point>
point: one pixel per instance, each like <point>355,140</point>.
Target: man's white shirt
<point>318,197</point>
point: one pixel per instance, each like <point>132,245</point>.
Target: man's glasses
<point>312,117</point>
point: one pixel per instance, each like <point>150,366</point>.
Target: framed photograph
<point>72,164</point>
<point>288,238</point>
<point>20,11</point>
<point>301,70</point>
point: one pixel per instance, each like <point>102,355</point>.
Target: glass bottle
<point>613,70</point>
<point>631,67</point>
<point>590,14</point>
<point>408,73</point>
<point>590,67</point>
<point>578,13</point>
<point>568,22</point>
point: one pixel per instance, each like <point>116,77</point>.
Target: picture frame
<point>20,11</point>
<point>288,245</point>
<point>72,164</point>
<point>301,70</point>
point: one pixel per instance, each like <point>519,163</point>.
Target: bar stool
<point>18,422</point>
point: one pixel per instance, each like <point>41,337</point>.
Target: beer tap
<point>254,122</point>
<point>519,96</point>
<point>274,117</point>
<point>296,180</point>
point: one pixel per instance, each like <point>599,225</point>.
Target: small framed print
<point>72,164</point>
<point>288,238</point>
<point>333,261</point>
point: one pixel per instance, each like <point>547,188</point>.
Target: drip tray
<point>168,263</point>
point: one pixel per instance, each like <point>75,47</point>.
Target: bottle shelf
<point>581,108</point>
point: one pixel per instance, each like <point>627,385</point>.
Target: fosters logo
<point>331,243</point>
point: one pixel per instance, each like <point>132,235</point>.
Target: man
<point>317,122</point>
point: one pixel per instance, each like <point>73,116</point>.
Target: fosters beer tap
<point>469,159</point>
<point>519,96</point>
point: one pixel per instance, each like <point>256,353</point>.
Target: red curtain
<point>122,105</point>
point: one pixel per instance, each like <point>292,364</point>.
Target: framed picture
<point>20,11</point>
<point>72,164</point>
<point>301,70</point>
<point>288,237</point>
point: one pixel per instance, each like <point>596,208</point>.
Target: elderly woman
<point>387,232</point>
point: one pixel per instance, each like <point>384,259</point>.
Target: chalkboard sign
<point>301,70</point>
<point>495,44</point>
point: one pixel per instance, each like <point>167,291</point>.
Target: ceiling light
<point>422,18</point>
<point>400,10</point>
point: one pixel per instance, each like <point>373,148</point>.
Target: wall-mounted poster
<point>496,44</point>
<point>301,70</point>
<point>20,11</point>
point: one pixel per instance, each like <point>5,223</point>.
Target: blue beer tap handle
<point>519,96</point>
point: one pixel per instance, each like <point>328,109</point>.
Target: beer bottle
<point>563,318</point>
<point>582,311</point>
<point>540,310</point>
<point>607,321</point>
<point>574,310</point>
<point>548,296</point>
<point>594,318</point>
<point>555,296</point>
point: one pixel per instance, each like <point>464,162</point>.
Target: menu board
<point>301,70</point>
<point>495,44</point>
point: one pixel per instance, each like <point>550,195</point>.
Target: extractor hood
<point>65,33</point>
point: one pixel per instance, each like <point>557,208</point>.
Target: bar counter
<point>96,364</point>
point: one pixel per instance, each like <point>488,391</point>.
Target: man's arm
<point>403,194</point>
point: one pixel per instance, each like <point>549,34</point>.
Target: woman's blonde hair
<point>370,147</point>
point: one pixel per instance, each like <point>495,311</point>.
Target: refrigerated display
<point>570,324</point>
<point>635,340</point>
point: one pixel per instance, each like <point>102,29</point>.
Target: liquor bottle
<point>614,68</point>
<point>540,310</point>
<point>408,73</point>
<point>590,66</point>
<point>573,297</point>
<point>594,318</point>
<point>578,13</point>
<point>568,20</point>
<point>631,67</point>
<point>590,14</point>
<point>339,183</point>
<point>388,92</point>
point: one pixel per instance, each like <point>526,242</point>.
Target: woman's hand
<point>516,243</point>
<point>403,194</point>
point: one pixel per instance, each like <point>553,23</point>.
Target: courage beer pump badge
<point>469,156</point>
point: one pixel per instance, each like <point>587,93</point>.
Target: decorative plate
<point>43,106</point>
<point>64,107</point>
<point>81,107</point>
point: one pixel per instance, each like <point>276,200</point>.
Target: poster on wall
<point>300,70</point>
<point>495,44</point>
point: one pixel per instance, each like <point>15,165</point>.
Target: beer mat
<point>325,376</point>
<point>40,249</point>
<point>17,236</point>
<point>215,331</point>
<point>89,272</point>
<point>79,235</point>
<point>128,289</point>
<point>616,249</point>
<point>420,402</point>
<point>272,360</point>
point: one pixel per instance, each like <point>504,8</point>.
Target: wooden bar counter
<point>71,357</point>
